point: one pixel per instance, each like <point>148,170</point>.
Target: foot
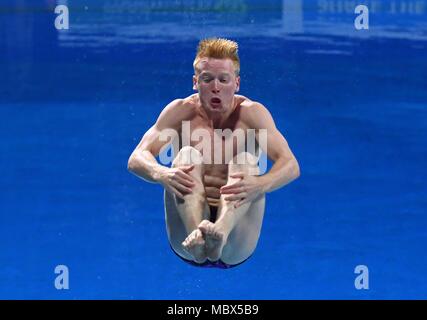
<point>194,244</point>
<point>214,238</point>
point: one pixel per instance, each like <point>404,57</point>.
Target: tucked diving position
<point>214,200</point>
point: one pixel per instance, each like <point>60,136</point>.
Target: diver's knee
<point>190,156</point>
<point>244,162</point>
<point>187,156</point>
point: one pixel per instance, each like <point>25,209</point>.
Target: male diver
<point>214,206</point>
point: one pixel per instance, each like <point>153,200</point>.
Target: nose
<point>215,86</point>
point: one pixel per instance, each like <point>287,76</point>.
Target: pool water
<point>351,103</point>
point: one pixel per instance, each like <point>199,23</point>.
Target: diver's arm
<point>285,168</point>
<point>142,161</point>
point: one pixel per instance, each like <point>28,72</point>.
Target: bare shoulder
<point>248,104</point>
<point>253,113</point>
<point>184,106</point>
<point>177,111</point>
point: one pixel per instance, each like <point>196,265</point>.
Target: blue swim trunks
<point>210,264</point>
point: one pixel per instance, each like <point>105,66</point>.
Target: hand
<point>245,190</point>
<point>177,180</point>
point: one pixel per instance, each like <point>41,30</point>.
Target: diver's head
<point>216,74</point>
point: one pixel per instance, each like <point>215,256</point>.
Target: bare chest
<point>218,146</point>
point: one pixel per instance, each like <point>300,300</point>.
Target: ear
<point>237,84</point>
<point>195,83</point>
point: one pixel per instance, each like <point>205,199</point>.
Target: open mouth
<point>215,100</point>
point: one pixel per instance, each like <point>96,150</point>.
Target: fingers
<point>187,168</point>
<point>184,175</point>
<point>176,192</point>
<point>240,175</point>
<point>233,185</point>
<point>180,187</point>
<point>180,182</point>
<point>184,181</point>
<point>233,188</point>
<point>237,196</point>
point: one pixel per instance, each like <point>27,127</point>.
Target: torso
<point>215,174</point>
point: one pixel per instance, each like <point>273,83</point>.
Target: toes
<point>192,242</point>
<point>203,229</point>
<point>203,226</point>
<point>207,228</point>
<point>187,242</point>
<point>200,242</point>
<point>197,234</point>
<point>199,237</point>
<point>193,239</point>
<point>205,222</point>
<point>217,235</point>
<point>210,231</point>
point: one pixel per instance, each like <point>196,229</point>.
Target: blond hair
<point>217,48</point>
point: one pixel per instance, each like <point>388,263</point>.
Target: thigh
<point>243,239</point>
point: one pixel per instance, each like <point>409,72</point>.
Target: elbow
<point>296,170</point>
<point>132,163</point>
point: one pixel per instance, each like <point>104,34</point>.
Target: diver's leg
<point>183,216</point>
<point>234,235</point>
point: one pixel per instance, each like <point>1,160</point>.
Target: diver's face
<point>216,83</point>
